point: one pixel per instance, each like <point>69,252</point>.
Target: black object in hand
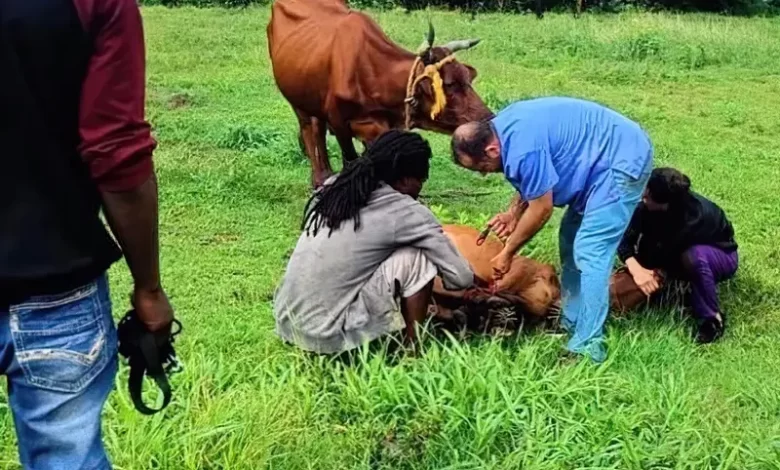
<point>149,353</point>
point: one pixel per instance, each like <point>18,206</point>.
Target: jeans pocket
<point>63,341</point>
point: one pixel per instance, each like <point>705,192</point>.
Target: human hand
<point>153,309</point>
<point>501,265</point>
<point>503,225</point>
<point>647,280</point>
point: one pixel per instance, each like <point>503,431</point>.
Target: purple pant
<point>703,267</point>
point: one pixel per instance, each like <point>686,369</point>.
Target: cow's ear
<point>472,73</point>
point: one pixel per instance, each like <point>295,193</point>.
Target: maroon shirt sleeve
<point>116,140</point>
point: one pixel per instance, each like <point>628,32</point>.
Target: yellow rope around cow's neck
<point>432,72</point>
<point>410,94</point>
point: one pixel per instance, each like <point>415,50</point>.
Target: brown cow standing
<point>339,71</point>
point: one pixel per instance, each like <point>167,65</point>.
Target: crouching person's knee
<point>411,270</point>
<point>691,261</point>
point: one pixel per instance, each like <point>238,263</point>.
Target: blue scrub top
<point>568,145</point>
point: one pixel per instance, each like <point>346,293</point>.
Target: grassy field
<point>233,185</point>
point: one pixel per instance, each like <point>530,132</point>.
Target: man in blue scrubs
<point>560,151</point>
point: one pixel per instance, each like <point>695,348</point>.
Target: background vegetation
<point>736,7</point>
<point>233,185</point>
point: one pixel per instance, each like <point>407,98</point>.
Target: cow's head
<point>443,97</point>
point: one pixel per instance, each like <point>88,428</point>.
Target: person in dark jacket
<point>676,233</point>
<point>74,142</point>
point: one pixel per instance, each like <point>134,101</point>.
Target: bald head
<point>475,146</point>
<point>466,131</point>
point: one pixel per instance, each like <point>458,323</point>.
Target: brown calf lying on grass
<point>530,288</point>
<point>624,294</point>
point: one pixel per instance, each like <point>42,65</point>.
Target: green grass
<point>233,185</point>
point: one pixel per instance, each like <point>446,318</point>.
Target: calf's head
<point>534,284</point>
<point>529,283</point>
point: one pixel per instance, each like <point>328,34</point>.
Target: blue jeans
<point>59,353</point>
<point>588,245</point>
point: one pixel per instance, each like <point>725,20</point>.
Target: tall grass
<point>233,185</point>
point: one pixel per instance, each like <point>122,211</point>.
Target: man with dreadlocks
<point>366,242</point>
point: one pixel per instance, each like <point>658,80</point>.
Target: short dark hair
<point>667,185</point>
<point>473,142</point>
<point>394,155</point>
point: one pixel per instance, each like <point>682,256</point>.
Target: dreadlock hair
<point>393,156</point>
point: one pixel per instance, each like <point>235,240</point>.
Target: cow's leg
<point>311,128</point>
<point>302,144</point>
<point>344,137</point>
<point>336,111</point>
<point>320,133</point>
<point>348,152</point>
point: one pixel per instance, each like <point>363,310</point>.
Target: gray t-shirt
<point>315,305</point>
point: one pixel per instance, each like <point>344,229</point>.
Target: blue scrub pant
<point>588,245</point>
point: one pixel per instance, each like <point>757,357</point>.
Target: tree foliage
<point>736,7</point>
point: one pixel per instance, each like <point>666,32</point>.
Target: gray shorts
<point>377,311</point>
<point>407,266</point>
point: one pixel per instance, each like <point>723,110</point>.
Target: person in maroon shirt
<point>74,141</point>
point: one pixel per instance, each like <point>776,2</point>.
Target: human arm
<point>418,228</point>
<point>504,224</point>
<point>116,145</point>
<point>627,247</point>
<point>533,176</point>
<point>647,280</point>
<point>531,221</point>
<point>517,206</point>
<point>132,216</point>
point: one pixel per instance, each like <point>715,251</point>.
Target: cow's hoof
<point>439,312</point>
<point>319,179</point>
<point>460,316</point>
<point>502,320</point>
<point>495,303</point>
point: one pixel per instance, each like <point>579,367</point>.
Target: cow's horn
<point>431,34</point>
<point>427,43</point>
<point>455,46</point>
